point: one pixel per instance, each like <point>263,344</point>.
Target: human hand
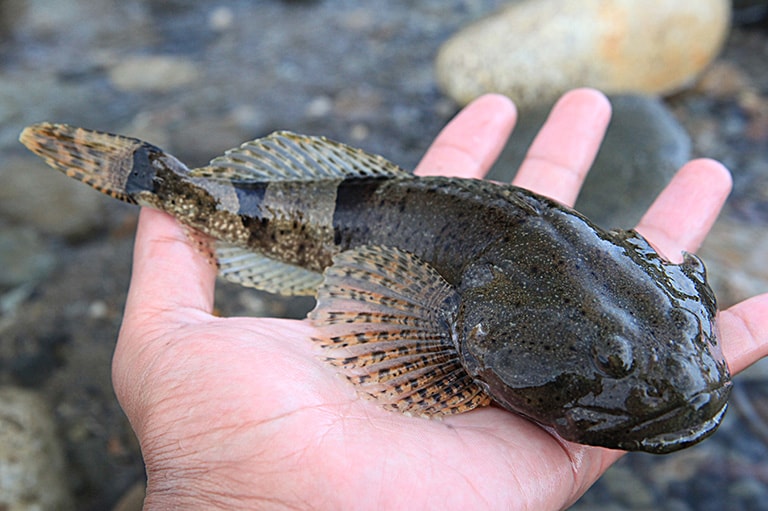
<point>238,413</point>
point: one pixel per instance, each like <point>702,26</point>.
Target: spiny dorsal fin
<point>252,269</point>
<point>286,156</point>
<point>385,318</point>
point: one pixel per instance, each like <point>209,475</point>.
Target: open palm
<point>239,413</point>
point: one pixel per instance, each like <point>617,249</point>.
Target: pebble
<point>643,148</point>
<point>221,18</point>
<point>319,106</point>
<point>32,474</point>
<point>153,73</point>
<point>535,50</point>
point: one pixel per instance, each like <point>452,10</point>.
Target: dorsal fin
<point>286,156</point>
<point>384,317</point>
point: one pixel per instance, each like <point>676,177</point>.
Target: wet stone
<point>35,195</point>
<point>31,458</point>
<point>643,148</point>
<point>24,257</point>
<point>750,11</point>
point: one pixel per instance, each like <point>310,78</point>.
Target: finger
<point>744,327</point>
<point>683,213</point>
<point>563,151</point>
<point>169,273</point>
<point>471,142</point>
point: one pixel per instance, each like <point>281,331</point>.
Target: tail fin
<point>101,160</point>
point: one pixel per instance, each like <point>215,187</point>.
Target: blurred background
<point>687,79</point>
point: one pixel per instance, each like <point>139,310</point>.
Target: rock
<point>34,194</point>
<point>133,499</point>
<point>24,257</point>
<point>734,254</point>
<point>643,148</point>
<point>32,471</point>
<point>628,488</point>
<point>749,11</point>
<point>535,50</point>
<point>153,73</point>
<point>26,98</point>
<point>723,80</point>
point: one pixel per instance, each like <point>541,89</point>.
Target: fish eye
<point>612,356</point>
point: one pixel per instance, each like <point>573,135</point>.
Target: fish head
<point>633,371</point>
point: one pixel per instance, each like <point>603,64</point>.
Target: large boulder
<point>535,50</point>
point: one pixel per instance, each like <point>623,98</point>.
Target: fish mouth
<point>669,442</point>
<point>670,429</point>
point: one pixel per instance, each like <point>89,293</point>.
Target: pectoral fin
<point>385,318</point>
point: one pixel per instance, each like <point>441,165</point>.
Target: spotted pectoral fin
<point>286,156</point>
<point>385,319</point>
<point>252,269</point>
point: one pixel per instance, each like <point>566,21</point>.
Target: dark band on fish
<point>142,173</point>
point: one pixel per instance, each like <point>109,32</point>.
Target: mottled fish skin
<point>436,295</point>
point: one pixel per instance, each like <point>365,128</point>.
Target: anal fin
<point>385,319</point>
<point>253,269</point>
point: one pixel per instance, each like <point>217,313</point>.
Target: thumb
<point>169,273</point>
<point>171,286</point>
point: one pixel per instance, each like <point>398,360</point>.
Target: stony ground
<point>212,75</point>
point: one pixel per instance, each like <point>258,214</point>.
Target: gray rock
<point>749,11</point>
<point>31,459</point>
<point>133,499</point>
<point>35,195</point>
<point>24,257</point>
<point>643,147</point>
<point>628,488</point>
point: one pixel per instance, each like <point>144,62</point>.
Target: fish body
<point>438,295</point>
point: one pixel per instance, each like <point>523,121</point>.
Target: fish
<point>440,295</point>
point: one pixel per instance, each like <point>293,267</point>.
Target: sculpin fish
<point>438,295</point>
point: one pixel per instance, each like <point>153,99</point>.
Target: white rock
<point>535,50</point>
<point>32,472</point>
<point>154,73</point>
